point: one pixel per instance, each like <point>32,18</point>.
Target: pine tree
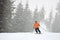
<point>1,14</point>
<point>23,19</point>
<point>41,14</point>
<point>36,16</point>
<point>7,14</point>
<point>19,19</point>
<point>56,23</point>
<point>27,19</point>
<point>50,16</point>
<point>50,20</point>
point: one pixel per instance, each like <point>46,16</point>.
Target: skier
<point>36,27</point>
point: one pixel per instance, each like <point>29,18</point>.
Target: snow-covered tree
<point>7,14</point>
<point>56,23</point>
<point>18,23</point>
<point>1,14</point>
<point>50,16</point>
<point>36,15</point>
<point>23,19</point>
<point>41,14</point>
<point>48,21</point>
<point>27,19</point>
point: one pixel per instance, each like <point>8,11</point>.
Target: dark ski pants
<point>37,30</point>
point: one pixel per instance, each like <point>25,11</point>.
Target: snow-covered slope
<point>29,36</point>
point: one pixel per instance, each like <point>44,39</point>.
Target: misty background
<point>19,15</point>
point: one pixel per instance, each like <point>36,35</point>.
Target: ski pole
<point>43,28</point>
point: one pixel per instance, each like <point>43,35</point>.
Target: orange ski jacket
<point>36,25</point>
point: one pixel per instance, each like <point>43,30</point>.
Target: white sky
<point>48,4</point>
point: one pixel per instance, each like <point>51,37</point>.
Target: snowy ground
<point>31,35</point>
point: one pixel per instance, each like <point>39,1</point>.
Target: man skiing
<point>36,27</point>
